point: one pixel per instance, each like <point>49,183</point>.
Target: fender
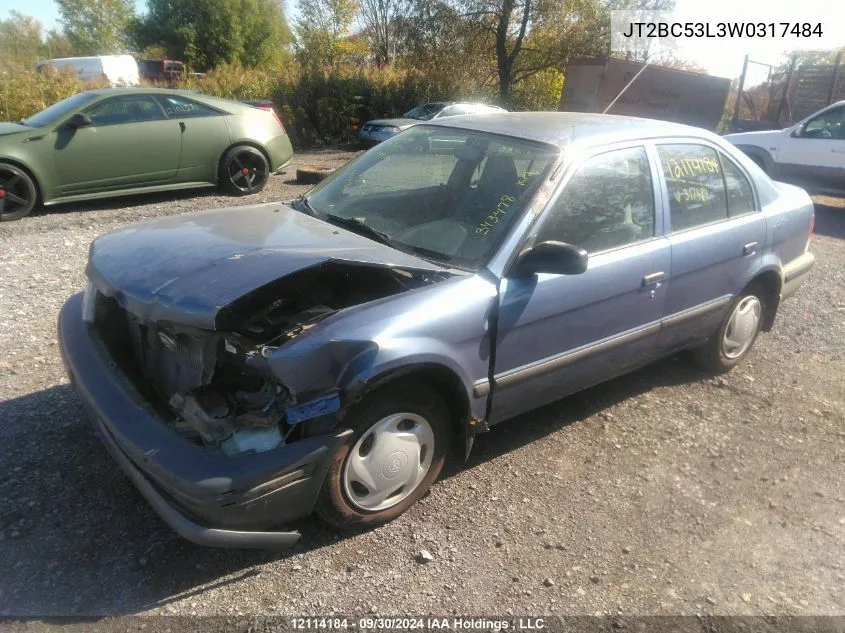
<point>761,156</point>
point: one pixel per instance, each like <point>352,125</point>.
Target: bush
<point>538,92</point>
<point>23,93</point>
<point>318,106</point>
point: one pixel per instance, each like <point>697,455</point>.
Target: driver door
<point>130,142</point>
<point>560,333</point>
<point>815,152</point>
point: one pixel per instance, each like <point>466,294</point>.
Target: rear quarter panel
<point>258,126</point>
<point>788,219</point>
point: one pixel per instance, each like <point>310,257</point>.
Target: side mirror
<point>556,258</point>
<point>80,119</point>
<point>797,131</point>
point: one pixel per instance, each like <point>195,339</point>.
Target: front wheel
<point>18,193</point>
<point>731,343</point>
<point>397,451</point>
<point>244,170</point>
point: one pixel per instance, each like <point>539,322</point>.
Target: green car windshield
<point>448,195</point>
<point>58,111</point>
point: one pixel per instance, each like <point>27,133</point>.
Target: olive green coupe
<point>121,141</point>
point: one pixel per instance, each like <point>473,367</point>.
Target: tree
<point>20,39</point>
<point>427,35</point>
<point>379,18</point>
<point>206,33</point>
<point>96,27</point>
<point>321,27</point>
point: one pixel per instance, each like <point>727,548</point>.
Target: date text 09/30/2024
<point>418,623</point>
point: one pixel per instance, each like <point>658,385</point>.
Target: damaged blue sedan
<point>246,368</point>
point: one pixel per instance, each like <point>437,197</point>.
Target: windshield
<point>58,110</point>
<point>448,195</point>
<point>424,112</point>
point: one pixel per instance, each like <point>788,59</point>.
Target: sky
<point>718,57</point>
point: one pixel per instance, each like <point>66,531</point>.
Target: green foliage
<point>22,43</point>
<point>96,27</point>
<point>24,93</point>
<point>208,33</point>
<point>321,28</point>
<point>538,92</point>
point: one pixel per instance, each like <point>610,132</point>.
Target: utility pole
<point>739,93</point>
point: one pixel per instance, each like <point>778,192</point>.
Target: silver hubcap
<point>388,462</point>
<point>742,326</point>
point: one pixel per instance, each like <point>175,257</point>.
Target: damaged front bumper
<point>207,497</point>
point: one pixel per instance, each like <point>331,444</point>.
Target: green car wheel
<point>18,193</point>
<point>244,170</point>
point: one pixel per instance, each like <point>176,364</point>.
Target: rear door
<point>815,152</point>
<point>717,234</point>
<point>129,143</point>
<point>558,333</point>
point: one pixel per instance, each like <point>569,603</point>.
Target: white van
<point>118,70</point>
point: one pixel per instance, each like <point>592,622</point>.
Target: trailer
<point>653,92</point>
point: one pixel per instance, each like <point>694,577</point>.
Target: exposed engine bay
<point>204,381</point>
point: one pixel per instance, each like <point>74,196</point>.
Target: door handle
<point>182,126</point>
<point>838,151</point>
<point>653,278</point>
<point>749,248</point>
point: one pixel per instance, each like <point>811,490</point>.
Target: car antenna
<point>628,85</point>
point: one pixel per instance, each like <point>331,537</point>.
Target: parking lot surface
<point>666,491</point>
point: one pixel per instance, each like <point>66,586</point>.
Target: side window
<point>452,111</point>
<point>740,194</point>
<point>608,203</point>
<point>696,185</point>
<point>181,108</point>
<point>830,125</point>
<point>128,109</point>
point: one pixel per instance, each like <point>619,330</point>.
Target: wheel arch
<point>444,380</point>
<point>759,155</point>
<point>770,281</point>
<point>234,144</point>
<point>39,187</point>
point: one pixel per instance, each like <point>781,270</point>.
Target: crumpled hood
<point>12,128</point>
<point>396,122</point>
<point>187,268</point>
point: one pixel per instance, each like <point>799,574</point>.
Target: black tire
<point>334,504</point>
<point>244,170</point>
<point>713,355</point>
<point>18,193</point>
<point>312,175</point>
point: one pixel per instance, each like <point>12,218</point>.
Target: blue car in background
<point>378,130</point>
<point>247,369</point>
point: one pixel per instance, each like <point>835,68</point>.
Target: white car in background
<point>118,70</point>
<point>810,153</point>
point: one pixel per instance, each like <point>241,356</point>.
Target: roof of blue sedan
<point>563,128</point>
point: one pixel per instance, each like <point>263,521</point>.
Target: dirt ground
<point>662,492</point>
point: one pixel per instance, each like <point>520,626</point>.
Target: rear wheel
<point>18,193</point>
<point>397,451</point>
<point>731,343</point>
<point>244,170</point>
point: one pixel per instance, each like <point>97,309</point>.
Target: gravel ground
<point>662,492</point>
